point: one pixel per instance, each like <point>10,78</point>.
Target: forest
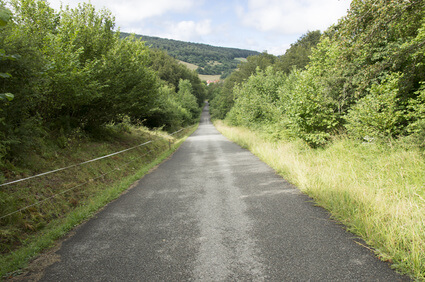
<point>72,90</point>
<point>211,60</point>
<point>363,77</point>
<point>66,73</point>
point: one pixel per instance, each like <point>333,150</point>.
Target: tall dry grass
<point>376,191</point>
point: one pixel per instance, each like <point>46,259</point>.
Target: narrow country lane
<point>213,212</point>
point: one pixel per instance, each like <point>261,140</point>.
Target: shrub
<point>312,115</point>
<point>377,115</point>
<point>256,99</point>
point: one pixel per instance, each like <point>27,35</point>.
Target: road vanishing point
<point>213,212</point>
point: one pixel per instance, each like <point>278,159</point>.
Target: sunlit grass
<point>377,191</point>
<point>26,238</point>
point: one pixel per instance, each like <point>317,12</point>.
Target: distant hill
<point>211,60</point>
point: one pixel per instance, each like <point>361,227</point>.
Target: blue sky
<point>260,25</point>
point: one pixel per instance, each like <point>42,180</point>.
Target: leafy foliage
<point>187,99</point>
<point>257,99</point>
<point>311,117</point>
<point>171,71</point>
<point>377,114</point>
<point>5,16</point>
<point>298,55</point>
<point>363,76</point>
<point>223,100</point>
<point>210,59</point>
<point>76,74</point>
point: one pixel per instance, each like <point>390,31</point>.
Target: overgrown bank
<point>341,114</point>
<point>36,212</point>
<point>72,90</point>
<point>375,190</point>
<point>67,72</point>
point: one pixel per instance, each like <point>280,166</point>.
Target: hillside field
<point>203,77</point>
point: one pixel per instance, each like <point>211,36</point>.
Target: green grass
<point>241,60</point>
<point>205,77</point>
<point>189,65</point>
<point>376,190</point>
<point>25,235</point>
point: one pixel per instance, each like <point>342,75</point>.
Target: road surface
<point>213,212</point>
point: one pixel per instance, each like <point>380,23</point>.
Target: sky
<point>259,25</point>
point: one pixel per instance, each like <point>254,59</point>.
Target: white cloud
<point>188,30</point>
<point>129,11</point>
<point>292,16</point>
<point>257,24</point>
<point>278,50</point>
<point>136,10</point>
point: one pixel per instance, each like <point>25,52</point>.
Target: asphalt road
<point>214,212</point>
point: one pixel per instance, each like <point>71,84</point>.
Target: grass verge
<point>377,191</point>
<point>28,233</point>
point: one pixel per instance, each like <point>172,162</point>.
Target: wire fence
<point>74,165</point>
<point>79,165</point>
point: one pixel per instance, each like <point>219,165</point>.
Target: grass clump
<point>58,202</point>
<point>376,190</point>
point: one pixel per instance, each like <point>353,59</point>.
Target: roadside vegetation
<point>341,115</point>
<point>72,90</point>
<point>41,210</point>
<point>69,73</point>
<point>374,190</point>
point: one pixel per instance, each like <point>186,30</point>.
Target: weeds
<point>377,191</point>
<point>57,202</point>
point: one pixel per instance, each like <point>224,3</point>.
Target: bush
<point>312,115</point>
<point>187,99</point>
<point>377,115</point>
<point>256,99</point>
<point>416,128</point>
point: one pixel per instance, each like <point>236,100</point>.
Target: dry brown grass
<point>189,65</point>
<point>376,190</point>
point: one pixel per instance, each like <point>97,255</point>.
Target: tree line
<point>363,77</point>
<point>68,72</point>
<point>211,60</point>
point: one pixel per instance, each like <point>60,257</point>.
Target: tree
<point>128,86</point>
<point>188,100</point>
<point>223,102</point>
<point>357,57</point>
<point>5,15</point>
<point>371,39</point>
<point>299,52</point>
<point>75,74</point>
<point>25,34</point>
<point>256,99</point>
<point>377,114</point>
